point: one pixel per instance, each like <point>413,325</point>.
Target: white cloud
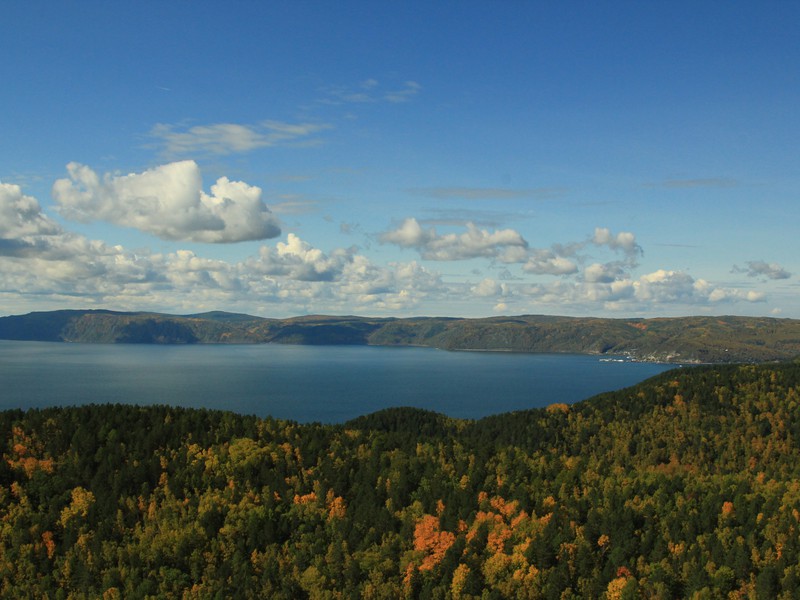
<point>500,307</point>
<point>657,292</point>
<point>663,286</point>
<point>44,266</point>
<point>761,269</point>
<point>603,283</point>
<point>513,254</point>
<point>232,138</point>
<point>472,243</point>
<point>563,259</point>
<point>75,271</point>
<point>40,260</point>
<point>734,295</point>
<point>168,201</point>
<point>52,268</point>
<point>487,288</point>
<point>409,234</point>
<point>397,286</point>
<point>604,273</point>
<point>21,216</point>
<point>546,262</point>
<point>669,286</point>
<point>300,261</point>
<point>624,241</point>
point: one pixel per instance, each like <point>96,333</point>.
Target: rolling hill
<point>701,339</point>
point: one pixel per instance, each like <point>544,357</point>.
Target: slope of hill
<point>680,340</point>
<point>685,486</point>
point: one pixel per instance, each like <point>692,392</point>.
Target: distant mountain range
<point>676,340</point>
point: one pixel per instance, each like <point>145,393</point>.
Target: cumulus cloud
<point>44,266</point>
<point>300,261</point>
<point>409,234</point>
<point>472,243</point>
<point>398,286</point>
<point>39,259</point>
<point>168,201</point>
<point>604,273</point>
<point>509,247</point>
<point>43,263</point>
<point>21,216</point>
<point>676,287</point>
<point>655,291</point>
<point>669,286</point>
<point>412,275</point>
<point>488,288</point>
<point>90,273</point>
<point>547,262</point>
<point>761,269</point>
<point>563,259</point>
<point>734,295</point>
<point>624,241</point>
<point>25,231</point>
<point>232,138</point>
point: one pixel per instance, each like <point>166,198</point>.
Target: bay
<point>329,384</point>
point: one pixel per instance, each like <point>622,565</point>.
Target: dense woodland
<point>685,486</point>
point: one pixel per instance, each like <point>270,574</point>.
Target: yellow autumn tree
<point>82,501</point>
<point>459,580</point>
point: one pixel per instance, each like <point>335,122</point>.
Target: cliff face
<point>679,340</point>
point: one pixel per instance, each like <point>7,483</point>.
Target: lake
<point>330,384</point>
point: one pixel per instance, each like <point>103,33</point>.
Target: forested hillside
<point>687,485</point>
<point>678,340</point>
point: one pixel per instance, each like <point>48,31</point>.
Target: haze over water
<point>330,384</point>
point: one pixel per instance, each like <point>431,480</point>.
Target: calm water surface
<point>330,384</point>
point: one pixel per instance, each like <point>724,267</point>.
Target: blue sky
<point>622,159</point>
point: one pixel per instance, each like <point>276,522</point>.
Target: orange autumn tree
<point>26,454</point>
<point>429,539</point>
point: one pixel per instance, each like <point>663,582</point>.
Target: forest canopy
<point>687,485</point>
